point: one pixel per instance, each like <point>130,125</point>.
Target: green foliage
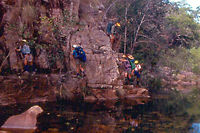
<point>182,59</point>
<point>154,85</point>
<point>195,60</point>
<point>177,59</point>
<point>185,23</point>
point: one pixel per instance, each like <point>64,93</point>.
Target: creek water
<point>172,113</point>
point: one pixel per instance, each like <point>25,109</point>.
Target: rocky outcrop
<point>51,27</point>
<point>182,81</point>
<point>26,120</point>
<point>46,88</point>
<point>101,66</point>
<point>51,21</point>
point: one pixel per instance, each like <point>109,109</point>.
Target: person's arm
<point>18,49</point>
<point>75,54</point>
<point>113,29</point>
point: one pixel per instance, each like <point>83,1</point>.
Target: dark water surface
<point>172,114</point>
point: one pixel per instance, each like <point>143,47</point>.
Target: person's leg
<point>77,67</point>
<point>82,68</point>
<point>77,70</point>
<point>30,67</point>
<point>138,79</point>
<point>125,74</point>
<point>25,63</point>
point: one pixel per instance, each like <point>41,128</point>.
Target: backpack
<point>132,64</point>
<point>80,54</point>
<point>26,49</point>
<point>109,27</point>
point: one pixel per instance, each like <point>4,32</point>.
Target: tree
<point>182,27</point>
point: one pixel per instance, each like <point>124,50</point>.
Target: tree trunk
<point>138,29</point>
<point>125,32</point>
<point>136,34</point>
<point>71,10</point>
<point>111,5</point>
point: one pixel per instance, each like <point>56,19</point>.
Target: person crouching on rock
<point>80,59</point>
<point>127,68</point>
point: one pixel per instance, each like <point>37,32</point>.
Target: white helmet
<point>74,46</point>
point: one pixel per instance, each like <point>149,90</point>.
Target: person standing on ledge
<point>80,59</point>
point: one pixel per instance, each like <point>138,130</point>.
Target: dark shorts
<point>137,74</point>
<point>79,62</point>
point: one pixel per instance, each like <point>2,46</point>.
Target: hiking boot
<point>83,74</point>
<point>78,75</point>
<point>126,81</point>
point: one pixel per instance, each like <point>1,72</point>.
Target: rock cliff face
<point>51,27</point>
<point>62,24</point>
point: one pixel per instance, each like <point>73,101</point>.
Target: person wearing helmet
<point>137,71</point>
<point>25,52</point>
<point>111,30</point>
<point>80,59</point>
<point>131,60</point>
<point>126,68</point>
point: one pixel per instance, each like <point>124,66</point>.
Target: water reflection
<point>16,131</point>
<point>195,128</point>
<point>166,115</point>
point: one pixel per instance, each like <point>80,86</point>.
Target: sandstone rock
<point>100,98</point>
<point>130,96</point>
<point>26,120</point>
<point>180,76</point>
<point>180,87</point>
<point>132,91</point>
<point>142,92</point>
<point>110,94</point>
<point>101,65</point>
<point>42,60</point>
<point>1,78</point>
<point>90,99</point>
<point>128,87</point>
<point>120,93</point>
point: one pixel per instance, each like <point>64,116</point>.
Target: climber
<point>25,49</point>
<point>113,27</point>
<point>132,64</point>
<point>127,68</point>
<point>25,53</point>
<point>131,61</point>
<point>80,59</point>
<point>109,27</point>
<point>111,30</point>
<point>137,71</point>
<point>18,50</point>
<point>112,35</point>
<point>28,63</point>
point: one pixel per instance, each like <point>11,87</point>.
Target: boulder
<point>110,94</point>
<point>142,92</point>
<point>102,62</point>
<point>120,92</point>
<point>180,76</point>
<point>42,60</point>
<point>26,120</point>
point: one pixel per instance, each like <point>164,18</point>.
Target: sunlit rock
<point>26,120</point>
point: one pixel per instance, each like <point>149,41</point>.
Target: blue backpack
<point>109,27</point>
<point>80,54</point>
<point>26,49</point>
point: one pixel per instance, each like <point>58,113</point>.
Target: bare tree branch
<point>111,5</point>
